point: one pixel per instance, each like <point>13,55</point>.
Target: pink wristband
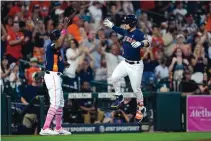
<point>64,32</point>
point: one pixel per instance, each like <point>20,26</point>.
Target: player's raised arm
<point>115,28</point>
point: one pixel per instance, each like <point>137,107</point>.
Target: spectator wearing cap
<point>180,43</point>
<point>15,81</point>
<point>188,86</point>
<point>32,69</point>
<point>86,69</point>
<point>56,10</point>
<point>125,112</point>
<point>190,26</point>
<point>199,39</point>
<point>15,38</point>
<point>36,12</point>
<point>74,28</point>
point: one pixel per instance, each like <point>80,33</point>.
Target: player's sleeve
<point>119,30</point>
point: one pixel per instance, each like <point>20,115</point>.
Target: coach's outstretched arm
<point>115,28</point>
<point>63,34</point>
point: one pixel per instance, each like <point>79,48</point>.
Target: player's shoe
<point>62,131</point>
<point>48,132</point>
<point>141,110</point>
<point>118,101</point>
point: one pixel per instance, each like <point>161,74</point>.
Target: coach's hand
<point>137,44</point>
<point>108,23</point>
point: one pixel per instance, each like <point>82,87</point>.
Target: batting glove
<point>108,23</point>
<point>137,44</point>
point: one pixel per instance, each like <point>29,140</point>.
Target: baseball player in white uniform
<point>54,66</point>
<point>132,65</point>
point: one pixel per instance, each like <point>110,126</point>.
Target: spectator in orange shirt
<point>15,38</point>
<point>74,28</point>
<point>33,68</point>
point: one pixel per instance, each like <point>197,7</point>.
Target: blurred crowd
<point>179,58</point>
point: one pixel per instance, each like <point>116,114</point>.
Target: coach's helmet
<point>55,34</point>
<point>131,20</point>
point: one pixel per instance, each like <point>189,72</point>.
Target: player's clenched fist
<point>108,23</point>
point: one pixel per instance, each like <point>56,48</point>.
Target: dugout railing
<point>168,110</point>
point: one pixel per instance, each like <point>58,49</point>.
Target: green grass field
<point>117,137</point>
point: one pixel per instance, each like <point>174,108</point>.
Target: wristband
<point>64,32</point>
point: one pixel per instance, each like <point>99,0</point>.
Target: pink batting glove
<point>64,32</point>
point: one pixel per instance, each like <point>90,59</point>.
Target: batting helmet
<point>131,20</point>
<point>54,35</point>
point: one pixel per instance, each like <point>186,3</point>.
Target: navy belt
<point>58,73</point>
<point>132,62</point>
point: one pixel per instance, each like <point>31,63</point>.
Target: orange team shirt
<point>29,73</point>
<point>55,63</point>
<point>15,50</point>
<point>73,29</point>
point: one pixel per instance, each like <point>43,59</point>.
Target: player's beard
<point>129,29</point>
